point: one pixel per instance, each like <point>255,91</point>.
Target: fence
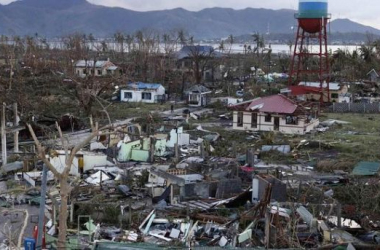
<point>355,108</point>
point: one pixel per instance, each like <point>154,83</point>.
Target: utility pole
<point>4,131</point>
<point>16,121</point>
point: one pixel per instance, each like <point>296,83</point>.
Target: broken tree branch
<point>42,154</point>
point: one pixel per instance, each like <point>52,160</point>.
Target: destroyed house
<point>179,184</point>
<point>141,150</point>
<point>275,113</point>
<point>83,161</point>
<point>142,92</point>
<point>311,91</point>
<point>260,184</point>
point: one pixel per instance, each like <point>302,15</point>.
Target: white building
<point>198,96</point>
<point>142,92</point>
<point>84,68</point>
<point>274,113</point>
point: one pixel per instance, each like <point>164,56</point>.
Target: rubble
<point>169,188</point>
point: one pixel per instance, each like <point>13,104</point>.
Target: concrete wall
<point>137,95</point>
<point>200,190</point>
<point>262,125</point>
<point>97,72</point>
<point>178,136</point>
<point>355,108</point>
<point>136,151</point>
<point>90,161</point>
<point>201,99</point>
<point>340,92</point>
<point>228,188</point>
<point>278,188</point>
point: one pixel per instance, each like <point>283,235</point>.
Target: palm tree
<point>221,46</point>
<point>338,60</point>
<point>104,46</point>
<point>129,39</point>
<point>259,40</point>
<point>91,39</point>
<point>119,38</point>
<point>231,40</point>
<point>290,45</point>
<point>181,37</point>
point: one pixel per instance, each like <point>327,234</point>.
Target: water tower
<point>310,62</point>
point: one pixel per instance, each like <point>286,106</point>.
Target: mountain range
<point>54,18</point>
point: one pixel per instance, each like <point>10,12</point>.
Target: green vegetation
<point>356,141</point>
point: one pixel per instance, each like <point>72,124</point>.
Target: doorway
<point>277,123</point>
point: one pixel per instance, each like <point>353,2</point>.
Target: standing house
<point>198,95</point>
<point>84,68</point>
<point>142,92</point>
<point>274,113</point>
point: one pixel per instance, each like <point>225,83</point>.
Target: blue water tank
<point>29,244</point>
<point>312,9</point>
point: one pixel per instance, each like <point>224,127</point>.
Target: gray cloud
<point>363,11</point>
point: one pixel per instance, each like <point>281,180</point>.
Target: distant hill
<point>54,18</point>
<point>348,26</point>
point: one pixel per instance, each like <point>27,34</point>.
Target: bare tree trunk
<point>19,242</point>
<point>198,75</point>
<point>64,193</point>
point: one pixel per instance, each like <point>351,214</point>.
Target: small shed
<point>198,95</point>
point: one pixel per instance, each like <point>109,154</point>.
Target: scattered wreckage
<point>167,189</point>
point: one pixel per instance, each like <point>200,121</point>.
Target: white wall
<point>137,95</point>
<point>90,161</point>
<point>80,71</point>
<point>181,138</point>
<point>227,100</point>
<point>262,125</point>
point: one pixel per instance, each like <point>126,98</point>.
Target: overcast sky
<point>363,11</point>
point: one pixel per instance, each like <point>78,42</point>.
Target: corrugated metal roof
<point>302,90</point>
<point>366,168</point>
<point>112,68</point>
<point>193,205</point>
<point>108,245</point>
<point>90,63</point>
<point>173,178</point>
<point>332,85</point>
<point>142,85</point>
<point>271,104</point>
<point>197,89</point>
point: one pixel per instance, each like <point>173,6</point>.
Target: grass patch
<point>357,141</point>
